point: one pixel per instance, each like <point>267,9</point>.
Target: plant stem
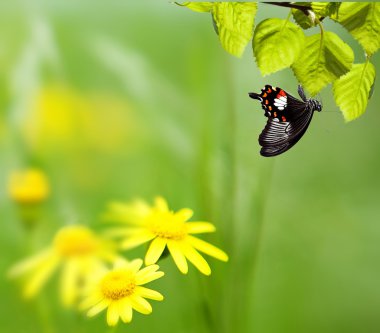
<point>288,17</point>
<point>302,8</point>
<point>320,27</point>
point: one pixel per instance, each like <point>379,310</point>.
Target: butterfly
<point>288,118</point>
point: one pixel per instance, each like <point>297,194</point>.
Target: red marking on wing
<point>281,93</point>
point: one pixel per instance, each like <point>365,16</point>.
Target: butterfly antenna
<point>301,92</point>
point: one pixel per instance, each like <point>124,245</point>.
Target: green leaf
<point>316,11</point>
<point>201,7</point>
<point>324,59</point>
<point>362,20</point>
<point>324,9</point>
<point>276,44</point>
<point>234,23</point>
<point>352,91</point>
<point>305,19</point>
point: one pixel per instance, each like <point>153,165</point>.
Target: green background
<point>301,229</point>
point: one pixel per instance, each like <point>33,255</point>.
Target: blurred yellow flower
<point>120,290</point>
<point>28,187</point>
<point>59,114</point>
<point>165,228</point>
<point>79,253</point>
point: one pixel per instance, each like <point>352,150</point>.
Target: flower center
<point>75,241</point>
<point>166,225</point>
<point>118,284</point>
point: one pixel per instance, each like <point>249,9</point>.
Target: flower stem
<point>251,276</point>
<point>113,329</point>
<point>43,310</point>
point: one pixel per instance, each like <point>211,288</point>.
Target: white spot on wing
<point>279,101</point>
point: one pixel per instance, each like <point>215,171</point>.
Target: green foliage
<point>233,22</point>
<point>323,9</point>
<point>316,60</point>
<point>362,20</point>
<point>276,44</point>
<point>351,91</point>
<point>305,19</point>
<point>316,11</point>
<point>200,7</point>
<point>324,59</point>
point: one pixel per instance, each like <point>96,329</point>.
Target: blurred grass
<point>191,136</point>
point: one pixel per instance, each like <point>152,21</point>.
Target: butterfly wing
<point>278,137</point>
<point>277,103</point>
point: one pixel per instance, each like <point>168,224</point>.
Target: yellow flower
<point>120,290</point>
<point>28,187</point>
<point>77,250</point>
<point>58,114</point>
<point>165,228</point>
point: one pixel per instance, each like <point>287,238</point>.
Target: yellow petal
<point>137,239</point>
<point>141,208</point>
<point>195,258</point>
<point>69,282</point>
<point>146,278</point>
<point>177,255</point>
<point>140,304</point>
<point>207,248</point>
<point>147,271</point>
<point>135,265</point>
<point>99,307</point>
<point>155,250</point>
<point>113,313</point>
<point>120,262</point>
<point>133,213</point>
<point>149,293</point>
<point>29,263</point>
<point>39,277</point>
<point>125,310</point>
<point>92,274</point>
<point>161,204</point>
<point>120,232</point>
<point>90,301</point>
<point>199,227</point>
<point>184,214</point>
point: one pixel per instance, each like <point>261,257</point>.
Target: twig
<point>302,8</point>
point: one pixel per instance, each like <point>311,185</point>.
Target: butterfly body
<point>288,118</point>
